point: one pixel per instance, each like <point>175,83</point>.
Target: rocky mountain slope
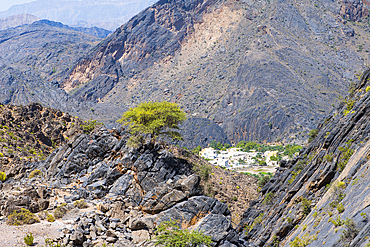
<point>17,20</point>
<point>127,191</point>
<point>31,133</point>
<point>321,197</point>
<point>107,14</point>
<point>263,70</point>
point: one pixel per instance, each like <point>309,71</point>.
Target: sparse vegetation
<point>80,204</point>
<point>350,231</point>
<point>169,234</point>
<point>50,218</point>
<point>340,208</point>
<point>28,239</point>
<point>89,126</point>
<point>61,210</point>
<point>312,134</point>
<point>349,105</point>
<point>202,170</point>
<point>338,195</point>
<point>24,216</point>
<point>305,206</point>
<point>329,157</point>
<point>263,180</point>
<point>304,241</point>
<point>268,198</point>
<point>135,141</point>
<point>35,173</point>
<point>196,150</point>
<point>2,176</point>
<point>346,153</point>
<point>255,222</point>
<point>337,222</point>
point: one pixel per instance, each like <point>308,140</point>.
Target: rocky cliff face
<point>354,10</point>
<point>321,197</point>
<point>31,133</point>
<point>268,70</point>
<point>150,36</point>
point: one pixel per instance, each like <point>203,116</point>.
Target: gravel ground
<point>13,235</point>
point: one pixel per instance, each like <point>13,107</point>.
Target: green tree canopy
<point>155,118</point>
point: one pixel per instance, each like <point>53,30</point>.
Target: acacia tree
<point>154,118</point>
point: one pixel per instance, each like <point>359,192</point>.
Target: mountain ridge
<point>260,77</point>
<point>102,14</point>
<point>17,20</point>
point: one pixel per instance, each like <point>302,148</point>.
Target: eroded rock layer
<point>321,198</point>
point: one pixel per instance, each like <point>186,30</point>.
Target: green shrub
<point>295,174</point>
<point>316,222</point>
<point>89,126</point>
<point>367,89</point>
<point>80,204</point>
<point>106,245</point>
<point>61,210</point>
<point>196,150</point>
<point>268,198</point>
<point>349,104</point>
<point>349,233</point>
<point>22,217</point>
<point>304,227</point>
<point>340,208</point>
<point>35,173</point>
<point>337,222</point>
<point>28,239</point>
<point>50,218</point>
<point>312,134</point>
<point>50,243</point>
<point>304,241</point>
<point>203,171</point>
<point>1,155</point>
<point>305,206</point>
<point>263,180</point>
<point>2,176</point>
<point>169,234</point>
<point>328,157</point>
<point>345,155</point>
<point>255,222</point>
<point>135,141</point>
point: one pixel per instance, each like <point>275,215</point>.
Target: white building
<point>208,153</point>
<point>235,158</point>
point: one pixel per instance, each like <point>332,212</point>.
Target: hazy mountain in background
<point>17,20</point>
<point>88,13</point>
